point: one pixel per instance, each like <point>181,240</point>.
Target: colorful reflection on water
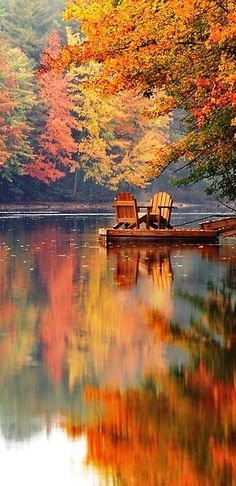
<point>118,366</point>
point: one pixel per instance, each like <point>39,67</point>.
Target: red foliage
<point>56,145</point>
<point>11,133</point>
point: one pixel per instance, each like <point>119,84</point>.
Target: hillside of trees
<point>77,123</point>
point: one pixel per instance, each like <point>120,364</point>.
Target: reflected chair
<point>160,212</point>
<point>162,273</point>
<point>159,267</point>
<point>127,268</point>
<point>127,212</point>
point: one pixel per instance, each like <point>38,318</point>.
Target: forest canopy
<point>116,92</point>
<point>186,52</point>
<point>53,126</point>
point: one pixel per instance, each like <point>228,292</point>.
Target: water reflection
<point>130,351</point>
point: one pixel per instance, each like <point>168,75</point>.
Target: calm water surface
<point>118,366</point>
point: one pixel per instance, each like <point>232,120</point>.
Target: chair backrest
<point>126,208</point>
<point>162,199</point>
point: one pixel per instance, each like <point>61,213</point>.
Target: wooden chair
<point>127,212</point>
<point>161,210</point>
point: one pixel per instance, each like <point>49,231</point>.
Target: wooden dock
<point>208,233</point>
<point>224,226</point>
<point>154,236</point>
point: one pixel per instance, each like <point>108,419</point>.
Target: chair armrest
<point>168,207</point>
<point>144,205</point>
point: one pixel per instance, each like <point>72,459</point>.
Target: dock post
<point>103,236</point>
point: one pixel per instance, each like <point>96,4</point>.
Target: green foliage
<point>24,26</point>
<point>212,158</point>
<point>26,22</point>
<point>16,81</point>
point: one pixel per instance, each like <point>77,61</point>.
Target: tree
<point>114,138</point>
<point>26,23</point>
<point>17,100</point>
<point>55,142</point>
<point>186,52</point>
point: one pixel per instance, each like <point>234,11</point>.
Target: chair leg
<point>164,224</point>
<point>117,225</point>
<point>154,225</point>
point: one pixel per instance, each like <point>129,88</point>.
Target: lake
<point>118,365</point>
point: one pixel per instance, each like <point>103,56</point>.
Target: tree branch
<point>226,205</point>
<point>161,172</point>
<point>219,4</point>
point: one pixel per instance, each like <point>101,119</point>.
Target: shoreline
<point>49,207</point>
<point>73,206</point>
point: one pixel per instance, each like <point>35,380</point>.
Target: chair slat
<point>161,209</point>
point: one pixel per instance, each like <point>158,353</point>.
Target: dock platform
<point>155,236</point>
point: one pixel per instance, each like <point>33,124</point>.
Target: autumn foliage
<point>185,50</point>
<point>138,86</point>
<point>55,143</point>
<point>15,101</point>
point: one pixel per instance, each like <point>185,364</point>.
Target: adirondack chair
<point>127,211</point>
<point>160,212</point>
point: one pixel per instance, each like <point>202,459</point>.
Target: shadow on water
<point>128,352</point>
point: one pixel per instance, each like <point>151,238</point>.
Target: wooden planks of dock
<point>224,226</point>
<point>110,235</point>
